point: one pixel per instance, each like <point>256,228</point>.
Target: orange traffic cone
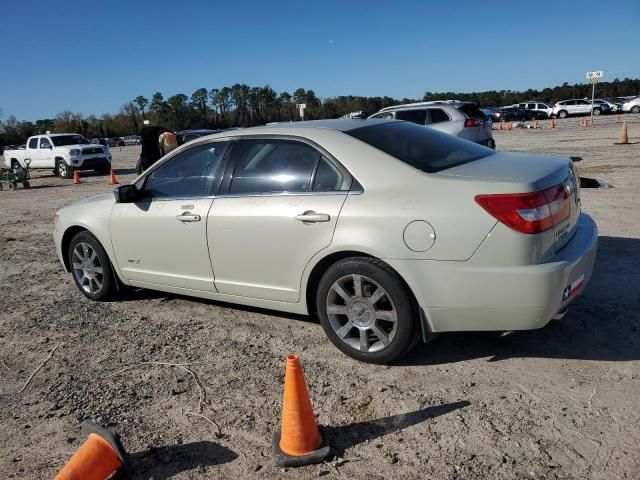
<point>298,442</point>
<point>500,126</point>
<point>76,177</point>
<point>112,178</point>
<point>552,123</point>
<point>623,139</point>
<point>98,457</point>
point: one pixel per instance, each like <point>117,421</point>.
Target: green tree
<point>141,103</point>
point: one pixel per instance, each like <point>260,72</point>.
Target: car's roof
<point>425,104</point>
<point>61,134</point>
<point>340,124</point>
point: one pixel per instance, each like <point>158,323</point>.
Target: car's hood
<point>71,147</point>
<point>105,197</point>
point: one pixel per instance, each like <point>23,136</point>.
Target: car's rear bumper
<point>462,296</point>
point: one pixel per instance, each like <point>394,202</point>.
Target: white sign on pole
<point>593,78</point>
<point>595,75</point>
<point>301,107</point>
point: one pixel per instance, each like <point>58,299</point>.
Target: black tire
<point>562,114</point>
<point>398,295</point>
<point>64,170</point>
<point>26,184</point>
<point>12,186</point>
<point>491,144</point>
<point>108,286</point>
<point>635,109</point>
<point>597,111</point>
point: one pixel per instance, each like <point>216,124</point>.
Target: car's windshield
<point>421,147</point>
<point>63,140</point>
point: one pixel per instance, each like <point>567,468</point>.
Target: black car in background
<point>516,114</point>
<point>185,136</point>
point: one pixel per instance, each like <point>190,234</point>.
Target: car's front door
<point>161,239</point>
<point>45,154</point>
<point>280,209</point>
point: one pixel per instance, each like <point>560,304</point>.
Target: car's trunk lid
<point>504,173</point>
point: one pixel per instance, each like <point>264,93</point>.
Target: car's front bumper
<point>463,296</point>
<point>80,163</point>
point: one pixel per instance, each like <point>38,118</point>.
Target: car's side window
<point>192,173</point>
<point>272,166</point>
<point>327,178</point>
<point>44,143</point>
<point>415,116</point>
<point>383,115</point>
<point>438,115</point>
<point>33,143</point>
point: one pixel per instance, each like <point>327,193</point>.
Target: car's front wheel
<point>635,109</point>
<point>597,111</point>
<point>64,171</point>
<point>91,267</point>
<point>367,311</point>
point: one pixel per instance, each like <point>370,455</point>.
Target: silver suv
<point>578,106</point>
<point>462,119</point>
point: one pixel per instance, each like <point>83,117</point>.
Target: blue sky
<point>92,57</point>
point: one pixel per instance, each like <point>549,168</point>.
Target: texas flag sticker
<point>570,290</point>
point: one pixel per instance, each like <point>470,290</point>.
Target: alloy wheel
<point>87,269</point>
<point>362,313</point>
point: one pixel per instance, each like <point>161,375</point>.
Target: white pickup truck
<point>61,152</point>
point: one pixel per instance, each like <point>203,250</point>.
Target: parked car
<point>462,119</point>
<point>578,106</point>
<point>537,106</point>
<point>388,230</point>
<point>131,140</point>
<point>185,136</point>
<point>632,106</point>
<point>516,114</point>
<point>610,107</point>
<point>100,141</point>
<point>61,152</point>
<point>115,142</point>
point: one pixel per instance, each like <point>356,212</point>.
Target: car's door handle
<point>313,217</point>
<point>188,217</point>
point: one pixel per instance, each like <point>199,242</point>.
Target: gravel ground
<point>561,402</point>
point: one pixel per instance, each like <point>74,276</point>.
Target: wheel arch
<point>323,264</point>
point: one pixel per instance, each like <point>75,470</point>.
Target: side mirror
<point>126,194</point>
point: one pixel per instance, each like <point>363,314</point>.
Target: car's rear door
<point>162,238</point>
<point>280,209</point>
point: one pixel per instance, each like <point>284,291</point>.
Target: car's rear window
<point>471,110</point>
<point>421,147</point>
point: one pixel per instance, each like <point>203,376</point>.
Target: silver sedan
<point>387,231</point>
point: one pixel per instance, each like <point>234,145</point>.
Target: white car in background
<point>387,230</point>
<point>536,106</point>
<point>63,153</point>
<point>578,106</point>
<point>632,105</point>
<point>462,119</point>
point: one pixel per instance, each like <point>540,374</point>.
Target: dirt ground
<point>561,402</point>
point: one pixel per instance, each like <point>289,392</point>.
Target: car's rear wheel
<point>562,114</point>
<point>635,109</point>
<point>64,171</point>
<point>91,267</point>
<point>367,311</point>
<point>597,111</point>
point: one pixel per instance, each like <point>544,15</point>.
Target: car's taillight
<point>528,212</point>
<point>471,122</point>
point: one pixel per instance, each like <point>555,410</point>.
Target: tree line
<point>241,106</point>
